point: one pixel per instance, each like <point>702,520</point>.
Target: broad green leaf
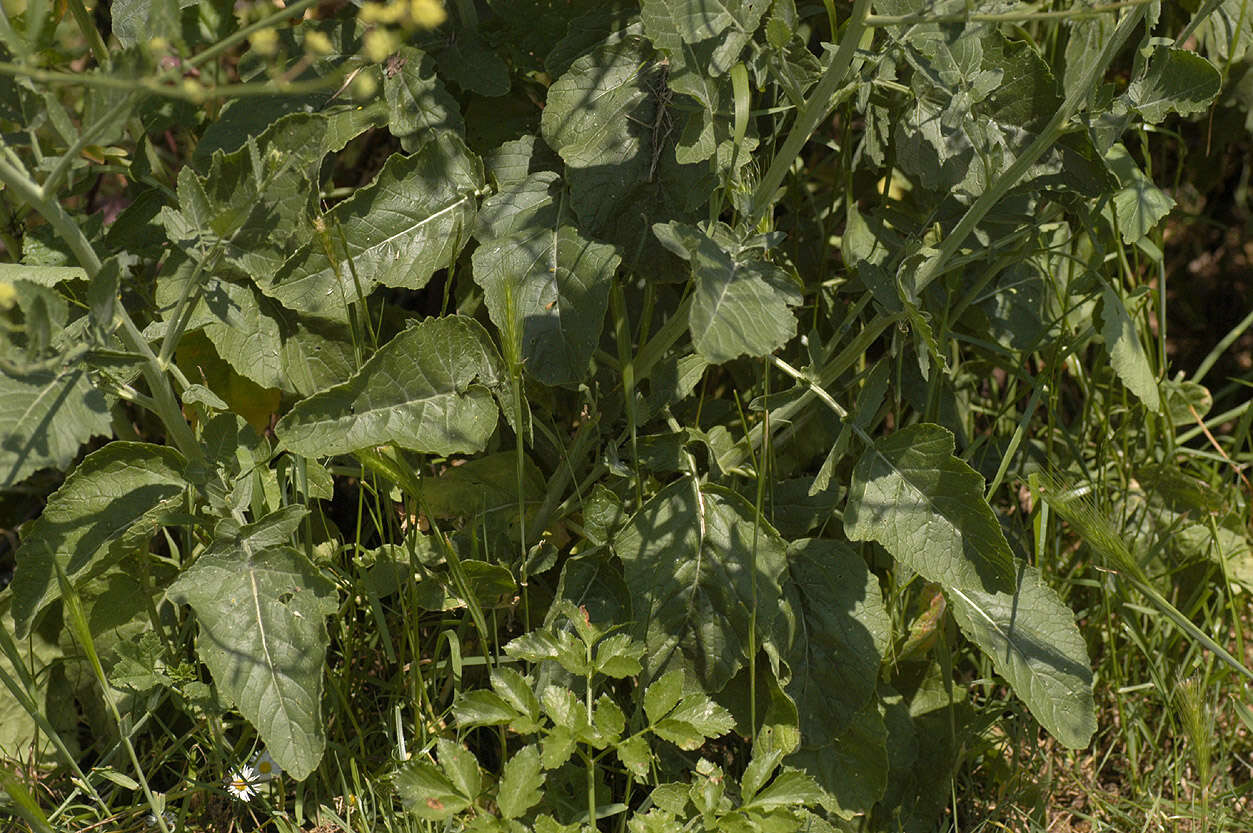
<point>841,634</point>
<point>926,507</point>
<point>672,24</point>
<point>663,695</point>
<point>635,755</point>
<point>1126,354</point>
<point>261,612</point>
<point>428,793</point>
<point>424,390</point>
<point>242,323</point>
<point>1174,81</point>
<point>1140,205</point>
<point>517,206</point>
<point>1034,643</point>
<point>109,504</point>
<point>46,276</point>
<point>688,558</point>
<point>515,690</point>
<point>520,783</point>
<point>741,303</point>
<point>547,290</point>
<point>417,103</point>
<point>852,767</point>
<point>44,418</point>
<point>792,788</point>
<point>461,767</point>
<point>618,656</point>
<point>255,203</point>
<point>472,65</point>
<point>608,719</point>
<point>602,117</point>
<point>411,221</point>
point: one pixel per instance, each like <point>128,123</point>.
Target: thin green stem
<point>92,35</point>
<point>935,266</point>
<point>812,114</point>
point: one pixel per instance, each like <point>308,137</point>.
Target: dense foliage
<point>684,414</point>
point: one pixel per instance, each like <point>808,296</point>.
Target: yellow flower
<point>264,41</point>
<point>427,13</point>
<point>379,43</point>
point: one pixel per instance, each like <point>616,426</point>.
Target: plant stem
<point>154,372</point>
<point>812,114</point>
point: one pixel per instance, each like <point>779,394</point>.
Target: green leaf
<point>851,767</point>
<point>926,507</point>
<point>602,117</point>
<point>792,788</point>
<point>741,303</point>
<point>672,24</point>
<point>1126,354</point>
<point>261,612</point>
<point>110,504</point>
<point>687,558</point>
<point>547,290</point>
<point>1174,81</point>
<point>418,105</point>
<point>46,276</point>
<point>1034,643</point>
<point>663,695</point>
<point>482,708</point>
<point>515,690</point>
<point>635,755</point>
<point>842,632</point>
<point>520,783</point>
<point>618,656</point>
<point>1140,205</point>
<point>608,719</point>
<point>423,390</point>
<point>472,65</point>
<point>410,222</point>
<point>44,418</point>
<point>428,793</point>
<point>694,719</point>
<point>461,767</point>
<point>531,202</point>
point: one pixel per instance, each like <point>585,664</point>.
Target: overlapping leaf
<point>44,418</point>
<point>547,290</point>
<point>1033,641</point>
<point>261,609</point>
<point>410,222</point>
<point>842,630</point>
<point>109,504</point>
<point>427,390</point>
<point>688,559</point>
<point>927,509</point>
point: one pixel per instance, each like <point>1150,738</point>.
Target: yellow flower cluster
<point>383,40</point>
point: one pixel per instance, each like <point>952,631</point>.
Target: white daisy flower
<point>241,784</point>
<point>266,767</point>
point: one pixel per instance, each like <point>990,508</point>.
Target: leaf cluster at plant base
<point>506,415</point>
